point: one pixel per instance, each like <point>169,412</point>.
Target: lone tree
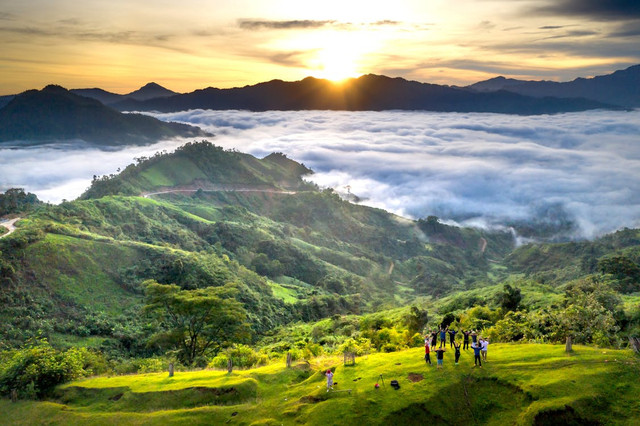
<point>195,323</point>
<point>509,299</point>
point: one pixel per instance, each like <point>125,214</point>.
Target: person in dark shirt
<point>434,338</point>
<point>443,337</point>
<point>427,350</point>
<point>466,340</point>
<point>440,356</point>
<point>452,337</point>
<point>474,336</point>
<point>457,354</point>
<point>477,347</point>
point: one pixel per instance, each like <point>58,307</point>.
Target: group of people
<point>478,344</point>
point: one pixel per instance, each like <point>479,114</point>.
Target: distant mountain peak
<point>149,91</point>
<point>54,114</point>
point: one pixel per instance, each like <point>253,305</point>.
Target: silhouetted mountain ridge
<point>367,93</point>
<point>54,113</point>
<point>619,88</point>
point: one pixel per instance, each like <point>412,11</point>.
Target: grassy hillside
<point>202,165</point>
<point>520,384</point>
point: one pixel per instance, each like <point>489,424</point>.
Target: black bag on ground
<point>395,384</point>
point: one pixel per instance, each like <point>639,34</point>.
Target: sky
<point>480,170</point>
<point>120,45</point>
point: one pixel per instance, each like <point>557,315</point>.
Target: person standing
<point>476,354</point>
<point>465,346</point>
<point>474,337</point>
<point>440,356</point>
<point>427,351</point>
<point>434,338</point>
<point>485,346</point>
<point>329,375</point>
<point>443,337</point>
<point>452,337</point>
<point>457,353</point>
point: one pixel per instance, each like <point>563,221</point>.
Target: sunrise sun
<point>340,56</point>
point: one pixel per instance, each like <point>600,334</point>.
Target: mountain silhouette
<point>367,93</point>
<point>54,113</point>
<point>619,88</point>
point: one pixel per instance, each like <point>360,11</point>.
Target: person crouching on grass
<point>440,356</point>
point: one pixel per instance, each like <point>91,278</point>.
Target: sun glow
<point>340,56</point>
<point>337,64</point>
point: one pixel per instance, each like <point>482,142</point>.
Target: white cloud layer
<point>480,168</point>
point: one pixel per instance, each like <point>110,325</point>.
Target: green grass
<point>179,171</point>
<point>518,384</point>
<point>83,271</point>
<point>286,294</point>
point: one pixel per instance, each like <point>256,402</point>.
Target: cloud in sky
<point>473,168</point>
<point>596,9</point>
<point>118,45</point>
<point>253,24</point>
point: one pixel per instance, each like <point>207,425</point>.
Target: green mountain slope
<point>218,217</point>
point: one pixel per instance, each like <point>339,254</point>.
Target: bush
<point>241,356</point>
<point>34,371</point>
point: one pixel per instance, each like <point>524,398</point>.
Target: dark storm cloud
<point>595,9</point>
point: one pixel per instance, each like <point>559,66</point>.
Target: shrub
<point>35,370</point>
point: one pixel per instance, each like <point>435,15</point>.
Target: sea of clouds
<point>478,169</point>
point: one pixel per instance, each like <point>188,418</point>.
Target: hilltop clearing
<point>520,384</point>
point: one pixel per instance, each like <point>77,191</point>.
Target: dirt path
<point>484,245</point>
<point>220,189</point>
<point>9,224</point>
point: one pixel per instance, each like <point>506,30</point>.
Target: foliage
<point>195,323</point>
<point>36,369</point>
<point>15,200</point>
<point>623,269</point>
<point>509,299</point>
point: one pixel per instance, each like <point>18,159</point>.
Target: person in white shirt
<point>485,344</point>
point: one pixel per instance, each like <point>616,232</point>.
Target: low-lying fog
<point>479,169</point>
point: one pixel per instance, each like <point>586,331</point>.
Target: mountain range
<point>55,113</point>
<point>618,90</point>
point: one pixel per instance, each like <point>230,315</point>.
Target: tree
<point>416,320</point>
<point>509,298</point>
<point>589,312</point>
<point>195,323</point>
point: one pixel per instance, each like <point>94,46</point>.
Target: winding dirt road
<point>9,224</point>
<point>220,189</point>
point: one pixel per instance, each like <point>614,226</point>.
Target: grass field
<point>520,384</point>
